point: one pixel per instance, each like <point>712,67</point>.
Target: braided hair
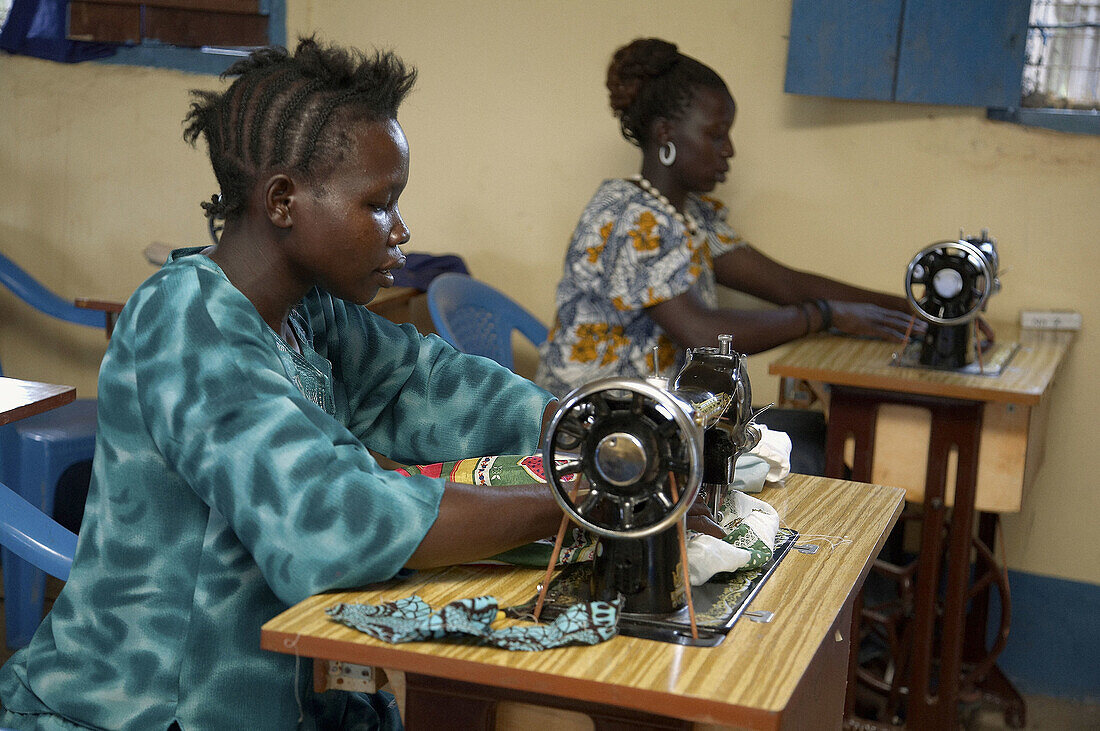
<point>649,79</point>
<point>277,113</point>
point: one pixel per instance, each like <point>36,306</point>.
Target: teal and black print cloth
<point>411,619</point>
<point>232,479</point>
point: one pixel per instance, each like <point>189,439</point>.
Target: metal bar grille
<point>1062,67</point>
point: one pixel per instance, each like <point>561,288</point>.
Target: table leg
<point>992,686</point>
<point>955,426</point>
<point>932,679</point>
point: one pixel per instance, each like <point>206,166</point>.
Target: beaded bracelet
<point>806,316</point>
<point>826,313</point>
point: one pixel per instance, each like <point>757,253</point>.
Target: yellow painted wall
<point>510,134</point>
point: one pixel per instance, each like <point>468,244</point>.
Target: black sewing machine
<point>949,284</point>
<point>643,451</point>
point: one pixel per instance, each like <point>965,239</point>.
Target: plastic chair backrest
<point>34,536</point>
<point>37,296</point>
<point>477,319</point>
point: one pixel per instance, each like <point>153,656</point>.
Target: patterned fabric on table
<point>411,620</point>
<point>750,524</point>
<point>628,254</point>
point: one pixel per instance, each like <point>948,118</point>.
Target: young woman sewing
<point>241,390</point>
<point>641,269</point>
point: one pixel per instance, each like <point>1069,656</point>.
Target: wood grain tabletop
<point>20,399</point>
<point>746,680</point>
<point>863,363</point>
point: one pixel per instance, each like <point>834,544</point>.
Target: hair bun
<point>634,64</point>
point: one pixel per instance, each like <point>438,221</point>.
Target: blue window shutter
<point>967,53</point>
<point>843,49</point>
<point>919,51</point>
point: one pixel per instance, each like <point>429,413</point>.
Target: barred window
<point>1062,66</point>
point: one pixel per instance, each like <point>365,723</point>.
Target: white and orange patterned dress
<point>628,254</point>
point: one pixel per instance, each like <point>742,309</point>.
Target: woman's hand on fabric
<point>700,520</point>
<point>867,320</point>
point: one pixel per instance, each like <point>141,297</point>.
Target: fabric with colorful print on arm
<point>751,524</point>
<point>627,254</point>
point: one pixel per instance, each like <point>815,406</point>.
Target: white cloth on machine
<point>768,461</point>
<point>751,526</point>
<point>775,449</point>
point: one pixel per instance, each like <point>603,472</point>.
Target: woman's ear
<point>661,131</point>
<point>279,192</point>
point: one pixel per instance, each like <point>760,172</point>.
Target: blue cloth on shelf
<point>38,28</point>
<point>421,269</point>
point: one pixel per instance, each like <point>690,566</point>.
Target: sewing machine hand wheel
<point>958,279</point>
<point>630,441</point>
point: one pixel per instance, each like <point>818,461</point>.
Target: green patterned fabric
<point>232,479</point>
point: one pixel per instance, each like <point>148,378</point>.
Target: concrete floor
<point>1043,712</point>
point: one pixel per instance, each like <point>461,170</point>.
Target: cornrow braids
<point>279,112</point>
<point>320,121</point>
<point>650,79</point>
<point>294,106</point>
<point>265,94</point>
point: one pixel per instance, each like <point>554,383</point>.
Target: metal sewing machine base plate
<point>719,603</point>
<point>993,362</point>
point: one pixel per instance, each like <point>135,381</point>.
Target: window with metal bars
<point>1062,63</point>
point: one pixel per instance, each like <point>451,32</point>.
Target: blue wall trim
<point>1079,121</point>
<point>1054,640</point>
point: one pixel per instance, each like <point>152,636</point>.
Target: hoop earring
<point>667,154</point>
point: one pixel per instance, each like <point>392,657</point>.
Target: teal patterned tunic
<point>232,479</point>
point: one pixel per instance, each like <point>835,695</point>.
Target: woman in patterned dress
<point>643,264</point>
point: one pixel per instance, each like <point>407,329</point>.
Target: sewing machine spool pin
<point>716,382</point>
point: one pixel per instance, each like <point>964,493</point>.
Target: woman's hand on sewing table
<point>867,320</point>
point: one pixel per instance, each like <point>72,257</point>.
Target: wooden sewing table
<point>20,399</point>
<point>969,442</point>
<point>789,673</point>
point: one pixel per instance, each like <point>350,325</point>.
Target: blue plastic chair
<point>37,539</point>
<point>35,452</point>
<point>477,319</point>
<point>34,536</point>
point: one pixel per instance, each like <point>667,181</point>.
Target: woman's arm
<point>476,521</point>
<point>748,270</point>
<point>520,515</point>
<point>848,309</point>
<point>689,322</point>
